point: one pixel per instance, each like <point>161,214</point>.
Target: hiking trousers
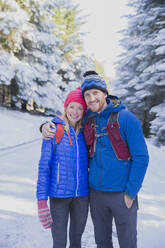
<point>61,209</point>
<point>105,206</point>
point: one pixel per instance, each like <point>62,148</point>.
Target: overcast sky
<point>104,22</point>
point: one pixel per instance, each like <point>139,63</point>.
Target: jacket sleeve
<point>41,126</point>
<point>44,169</point>
<point>139,154</point>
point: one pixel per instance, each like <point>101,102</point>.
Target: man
<point>114,182</point>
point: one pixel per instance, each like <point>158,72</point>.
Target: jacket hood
<point>114,104</point>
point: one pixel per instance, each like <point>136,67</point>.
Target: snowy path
<point>19,225</point>
<point>18,214</point>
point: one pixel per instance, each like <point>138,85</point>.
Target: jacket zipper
<point>77,164</point>
<point>58,173</point>
<point>101,169</point>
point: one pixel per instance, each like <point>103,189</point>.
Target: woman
<point>63,177</point>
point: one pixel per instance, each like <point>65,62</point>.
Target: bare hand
<point>128,201</point>
<point>48,130</point>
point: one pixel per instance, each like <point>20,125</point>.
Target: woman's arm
<point>44,169</point>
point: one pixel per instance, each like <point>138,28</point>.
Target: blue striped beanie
<point>93,81</point>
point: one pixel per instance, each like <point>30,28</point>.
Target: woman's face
<point>74,112</point>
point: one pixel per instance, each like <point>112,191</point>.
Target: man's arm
<point>139,154</point>
<point>41,126</point>
<point>48,130</point>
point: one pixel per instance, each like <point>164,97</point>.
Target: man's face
<point>95,100</point>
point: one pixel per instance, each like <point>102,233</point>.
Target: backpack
<point>113,131</point>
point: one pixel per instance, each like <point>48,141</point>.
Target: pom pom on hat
<point>87,73</point>
<point>93,81</point>
<point>75,96</point>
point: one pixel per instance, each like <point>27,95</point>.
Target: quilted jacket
<point>107,173</point>
<point>63,171</point>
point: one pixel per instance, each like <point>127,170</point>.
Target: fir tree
<point>141,74</point>
<point>41,65</point>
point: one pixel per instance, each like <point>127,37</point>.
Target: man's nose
<point>92,98</point>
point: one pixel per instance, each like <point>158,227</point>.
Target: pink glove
<point>44,214</point>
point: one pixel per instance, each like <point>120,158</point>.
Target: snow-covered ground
<point>19,225</point>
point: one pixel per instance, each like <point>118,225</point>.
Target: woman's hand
<point>44,214</point>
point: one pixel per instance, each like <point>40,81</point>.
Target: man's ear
<point>105,95</point>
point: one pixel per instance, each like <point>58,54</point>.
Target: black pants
<point>104,207</point>
<point>61,209</point>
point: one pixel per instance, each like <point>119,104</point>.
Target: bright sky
<point>103,24</point>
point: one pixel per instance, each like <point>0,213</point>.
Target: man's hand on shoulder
<point>48,130</point>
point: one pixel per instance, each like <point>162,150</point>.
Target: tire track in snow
<point>18,145</point>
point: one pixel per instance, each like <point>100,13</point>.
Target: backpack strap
<point>113,130</point>
<point>59,134</point>
<point>119,145</point>
<point>113,117</point>
<point>90,134</point>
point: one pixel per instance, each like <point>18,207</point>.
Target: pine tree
<point>12,26</point>
<point>45,74</point>
<point>40,58</point>
<point>66,29</point>
<point>40,66</point>
<point>141,74</point>
<point>68,21</point>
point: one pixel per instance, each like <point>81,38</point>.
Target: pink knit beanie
<point>75,96</point>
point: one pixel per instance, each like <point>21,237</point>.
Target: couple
<point>114,182</point>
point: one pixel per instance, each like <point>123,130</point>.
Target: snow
<point>17,127</point>
<point>7,72</point>
<point>18,213</point>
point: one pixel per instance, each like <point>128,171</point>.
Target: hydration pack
<point>113,131</point>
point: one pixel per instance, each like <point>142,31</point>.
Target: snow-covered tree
<point>40,55</point>
<point>67,26</point>
<point>141,67</point>
<point>13,21</point>
<point>40,58</point>
<point>67,29</point>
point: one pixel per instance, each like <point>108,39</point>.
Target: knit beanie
<point>75,96</point>
<point>93,81</point>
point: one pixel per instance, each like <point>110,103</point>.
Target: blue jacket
<point>107,173</point>
<point>64,172</point>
